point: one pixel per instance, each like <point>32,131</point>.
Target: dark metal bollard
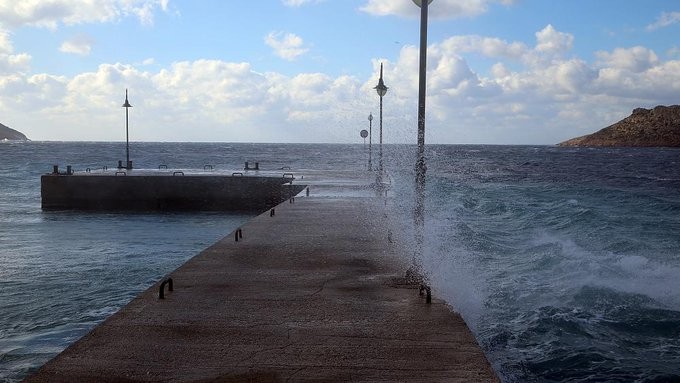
<point>257,166</point>
<point>55,169</point>
<point>236,236</point>
<point>307,191</point>
<point>161,294</point>
<point>272,212</point>
<point>69,170</point>
<point>426,288</point>
<point>240,234</point>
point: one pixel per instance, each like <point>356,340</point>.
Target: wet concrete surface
<point>314,293</point>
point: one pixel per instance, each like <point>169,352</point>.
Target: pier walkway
<point>312,293</point>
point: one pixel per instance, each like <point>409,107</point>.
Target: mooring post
<point>161,294</point>
<point>426,288</point>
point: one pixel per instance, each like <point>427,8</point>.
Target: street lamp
<point>370,134</point>
<point>421,168</point>
<point>127,105</point>
<point>381,89</point>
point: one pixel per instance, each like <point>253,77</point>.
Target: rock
<point>658,127</point>
<point>10,134</point>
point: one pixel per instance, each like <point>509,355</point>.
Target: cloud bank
<point>532,93</point>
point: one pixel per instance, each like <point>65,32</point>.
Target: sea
<point>564,262</point>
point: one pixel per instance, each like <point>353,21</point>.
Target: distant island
<point>656,127</point>
<point>9,134</point>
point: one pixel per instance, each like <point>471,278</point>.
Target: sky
<point>532,72</point>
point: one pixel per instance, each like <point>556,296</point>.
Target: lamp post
<point>421,168</point>
<point>127,105</point>
<point>381,89</point>
<point>370,134</point>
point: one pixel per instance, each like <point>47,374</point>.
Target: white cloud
<point>664,20</point>
<point>549,40</point>
<point>636,59</point>
<point>80,45</point>
<point>11,63</point>
<point>288,46</point>
<point>438,9</point>
<point>488,46</point>
<point>298,3</point>
<point>50,14</point>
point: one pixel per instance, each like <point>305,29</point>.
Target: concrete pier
<point>312,292</point>
<point>138,190</point>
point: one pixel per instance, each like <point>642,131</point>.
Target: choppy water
<point>564,261</point>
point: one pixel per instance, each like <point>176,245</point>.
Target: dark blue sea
<point>565,262</point>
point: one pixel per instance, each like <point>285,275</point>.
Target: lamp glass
<point>420,2</point>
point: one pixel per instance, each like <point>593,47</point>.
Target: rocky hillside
<point>11,134</point>
<point>645,127</point>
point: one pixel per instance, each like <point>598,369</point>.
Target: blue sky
<point>499,71</point>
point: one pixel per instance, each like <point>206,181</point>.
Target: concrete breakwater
<point>313,290</point>
<point>137,190</point>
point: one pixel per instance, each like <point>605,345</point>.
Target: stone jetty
<point>312,290</point>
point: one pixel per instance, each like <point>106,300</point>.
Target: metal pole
<point>421,168</point>
<point>127,105</point>
<point>370,134</point>
<point>127,138</point>
<point>380,162</point>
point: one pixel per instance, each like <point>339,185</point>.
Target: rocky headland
<point>644,128</point>
<point>9,134</point>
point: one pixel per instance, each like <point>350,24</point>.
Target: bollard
<point>55,169</point>
<point>120,164</point>
<point>240,233</point>
<point>236,236</point>
<point>272,212</point>
<point>307,191</point>
<point>246,167</point>
<point>428,298</point>
<point>161,294</point>
<point>69,170</point>
<point>257,166</point>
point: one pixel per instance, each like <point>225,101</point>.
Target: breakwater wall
<point>140,191</point>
